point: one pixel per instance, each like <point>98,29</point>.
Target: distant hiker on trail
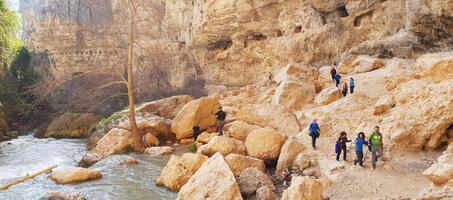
<point>314,132</point>
<point>345,89</point>
<point>196,131</point>
<point>377,145</point>
<point>337,78</point>
<point>351,85</point>
<point>359,142</point>
<point>341,142</point>
<point>333,72</point>
<point>220,116</point>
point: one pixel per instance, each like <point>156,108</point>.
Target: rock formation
<point>72,125</point>
<point>74,175</point>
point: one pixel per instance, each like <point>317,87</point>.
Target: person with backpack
<point>337,78</point>
<point>220,117</point>
<point>359,142</point>
<point>341,145</point>
<point>333,72</point>
<point>345,89</point>
<point>377,145</point>
<point>351,85</point>
<point>314,132</point>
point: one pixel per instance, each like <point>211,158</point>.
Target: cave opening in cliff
<point>298,29</point>
<point>342,12</point>
<point>223,43</point>
<point>323,20</point>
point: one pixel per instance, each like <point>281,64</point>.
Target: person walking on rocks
<point>359,142</point>
<point>337,78</point>
<point>377,145</point>
<point>333,72</point>
<point>220,116</point>
<point>351,85</point>
<point>345,89</point>
<point>314,132</point>
<point>342,140</point>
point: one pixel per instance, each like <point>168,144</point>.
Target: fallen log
<point>27,177</point>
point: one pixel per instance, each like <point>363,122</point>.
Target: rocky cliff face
<point>199,46</point>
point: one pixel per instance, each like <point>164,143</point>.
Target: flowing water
<point>27,154</point>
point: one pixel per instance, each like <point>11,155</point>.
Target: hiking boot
<point>355,162</point>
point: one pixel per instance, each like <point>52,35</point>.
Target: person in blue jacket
<point>337,78</point>
<point>359,142</point>
<point>351,85</point>
<point>314,131</point>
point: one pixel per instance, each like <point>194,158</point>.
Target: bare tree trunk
<point>137,143</point>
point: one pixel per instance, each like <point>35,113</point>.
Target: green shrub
<point>193,148</point>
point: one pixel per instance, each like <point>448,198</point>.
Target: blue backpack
<point>337,147</point>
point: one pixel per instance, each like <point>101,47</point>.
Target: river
<point>27,154</point>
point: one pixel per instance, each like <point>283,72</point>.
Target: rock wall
<point>197,46</point>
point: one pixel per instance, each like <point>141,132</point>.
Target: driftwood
<point>25,178</point>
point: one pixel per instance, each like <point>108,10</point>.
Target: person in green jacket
<point>377,145</point>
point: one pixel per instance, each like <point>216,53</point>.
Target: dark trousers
<point>313,141</point>
<point>220,124</point>
<point>359,158</point>
<point>333,77</point>
<point>342,149</point>
<point>337,82</point>
<point>344,92</point>
<point>351,88</point>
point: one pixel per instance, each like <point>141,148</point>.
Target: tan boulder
<point>179,169</point>
<point>74,175</point>
<point>382,105</point>
<point>72,125</point>
<point>239,129</point>
<point>347,65</point>
<point>251,179</point>
<point>293,72</point>
<point>442,171</point>
<point>305,160</point>
<point>294,95</point>
<point>239,163</point>
<point>214,180</point>
<point>281,119</point>
<point>155,125</point>
<point>265,193</point>
<point>167,107</point>
<point>265,144</point>
<point>150,140</point>
<point>303,188</point>
<point>115,141</point>
<point>63,196</point>
<point>224,145</point>
<point>205,137</point>
<point>187,141</point>
<point>440,71</point>
<point>290,149</point>
<point>328,95</point>
<point>157,151</point>
<point>129,161</point>
<point>201,111</point>
<point>366,64</point>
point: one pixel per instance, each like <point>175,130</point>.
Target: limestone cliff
<point>198,46</point>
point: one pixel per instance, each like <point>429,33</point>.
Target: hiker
<point>314,132</point>
<point>333,72</point>
<point>196,131</point>
<point>220,116</point>
<point>377,145</point>
<point>351,85</point>
<point>345,89</point>
<point>341,142</point>
<point>359,142</point>
<point>337,78</point>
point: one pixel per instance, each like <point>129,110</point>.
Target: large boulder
<point>442,171</point>
<point>251,179</point>
<point>205,137</point>
<point>288,153</point>
<point>265,144</point>
<point>72,125</point>
<point>359,64</point>
<point>294,95</point>
<point>265,193</point>
<point>383,104</point>
<point>281,119</point>
<point>214,180</point>
<point>239,163</point>
<point>167,107</point>
<point>74,175</point>
<point>239,129</point>
<point>328,96</point>
<point>224,145</point>
<point>440,71</point>
<point>303,188</point>
<point>179,169</point>
<point>201,111</point>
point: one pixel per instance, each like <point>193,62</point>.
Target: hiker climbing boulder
<point>281,119</point>
<point>179,169</point>
<point>239,129</point>
<point>214,180</point>
<point>74,175</point>
<point>264,144</point>
<point>290,149</point>
<point>303,188</point>
<point>72,125</point>
<point>201,111</point>
<point>157,151</point>
<point>328,95</point>
<point>168,107</point>
<point>224,145</point>
<point>239,163</point>
<point>251,179</point>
